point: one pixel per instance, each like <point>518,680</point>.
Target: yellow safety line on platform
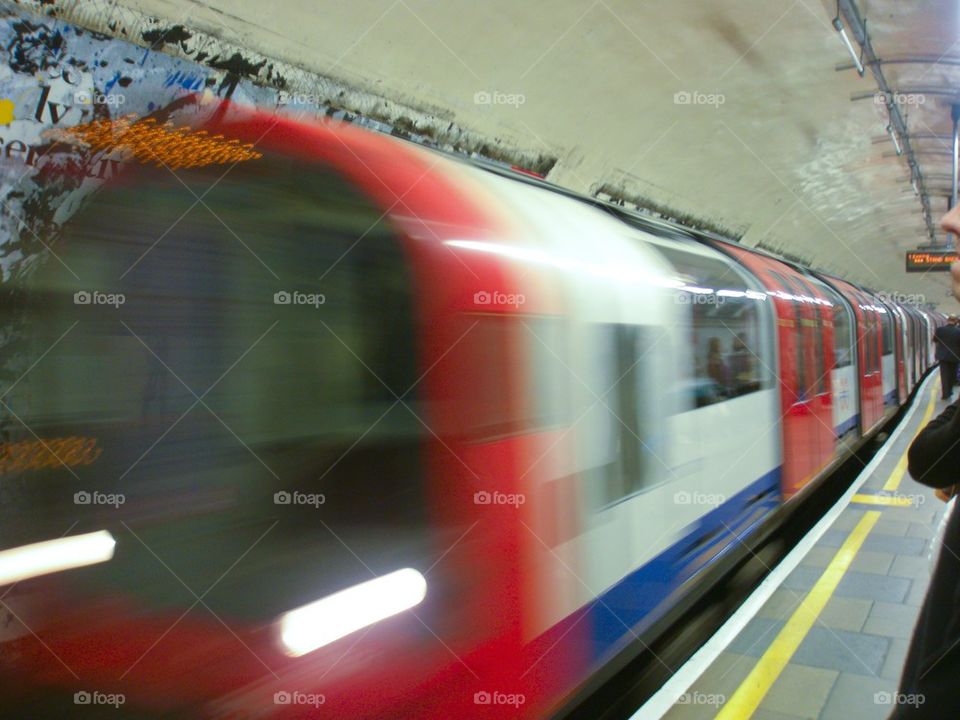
<point>893,482</point>
<point>752,690</point>
<point>891,500</point>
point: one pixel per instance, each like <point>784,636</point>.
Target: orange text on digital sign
<point>163,145</point>
<point>49,453</point>
<point>930,261</point>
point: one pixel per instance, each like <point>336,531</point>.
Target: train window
<point>617,426</point>
<point>879,339</point>
<point>867,334</point>
<point>499,351</point>
<point>596,409</point>
<point>921,334</point>
<point>886,319</point>
<point>722,317</point>
<point>843,339</point>
<point>488,354</point>
<point>629,351</point>
<point>912,341</point>
<point>842,334</point>
<point>803,382</point>
<point>551,377</point>
<point>819,353</point>
<point>245,367</point>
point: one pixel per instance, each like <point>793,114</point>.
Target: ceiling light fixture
<point>846,41</point>
<point>896,143</point>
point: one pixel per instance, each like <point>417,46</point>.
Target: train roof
<point>657,227</point>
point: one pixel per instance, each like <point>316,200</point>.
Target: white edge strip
<point>681,681</point>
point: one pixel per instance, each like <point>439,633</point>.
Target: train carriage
<point>401,433</point>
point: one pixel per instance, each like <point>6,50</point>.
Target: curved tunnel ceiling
<point>731,113</point>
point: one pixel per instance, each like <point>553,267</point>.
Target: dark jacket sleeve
<point>934,456</point>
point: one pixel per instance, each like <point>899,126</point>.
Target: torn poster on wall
<point>65,94</point>
<point>55,77</point>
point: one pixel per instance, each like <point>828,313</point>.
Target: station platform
<point>826,633</point>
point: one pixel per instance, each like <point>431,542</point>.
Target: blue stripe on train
<point>638,599</point>
<point>847,425</point>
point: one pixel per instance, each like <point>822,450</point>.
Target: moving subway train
<point>341,427</point>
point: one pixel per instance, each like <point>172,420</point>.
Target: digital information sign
<point>930,260</point>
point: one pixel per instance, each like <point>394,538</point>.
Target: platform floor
<point>830,642</point>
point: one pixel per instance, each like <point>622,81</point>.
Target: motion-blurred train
<point>348,428</point>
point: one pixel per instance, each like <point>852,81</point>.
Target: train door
<point>920,345</point>
<point>724,360</point>
<point>823,360</point>
<point>863,336</point>
<point>914,358</point>
<point>900,347</point>
<point>801,438</point>
<point>927,327</point>
<point>792,374</point>
<point>888,362</point>
<point>872,375</point>
<point>844,393</point>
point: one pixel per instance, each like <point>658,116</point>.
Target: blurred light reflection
<point>322,622</point>
<point>50,556</point>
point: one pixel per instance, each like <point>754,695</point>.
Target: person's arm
<point>934,455</point>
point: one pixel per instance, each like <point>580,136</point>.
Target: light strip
<point>52,556</point>
<point>320,623</point>
<point>846,41</point>
<point>533,255</point>
<point>896,143</point>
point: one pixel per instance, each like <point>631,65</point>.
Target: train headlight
<point>324,621</point>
